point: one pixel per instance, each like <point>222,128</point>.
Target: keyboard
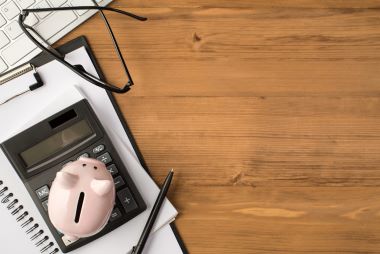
<point>15,47</point>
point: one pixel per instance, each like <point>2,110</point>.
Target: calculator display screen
<point>56,143</point>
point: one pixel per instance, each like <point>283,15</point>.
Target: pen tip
<point>172,170</point>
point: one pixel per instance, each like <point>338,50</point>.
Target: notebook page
<point>20,242</point>
<point>163,241</point>
<point>13,238</point>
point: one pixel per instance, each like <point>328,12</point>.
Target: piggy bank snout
<point>81,198</point>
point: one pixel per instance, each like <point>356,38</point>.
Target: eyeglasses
<point>45,46</point>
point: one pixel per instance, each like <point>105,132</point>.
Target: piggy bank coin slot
<point>79,207</point>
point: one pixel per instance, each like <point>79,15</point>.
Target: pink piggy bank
<point>81,199</point>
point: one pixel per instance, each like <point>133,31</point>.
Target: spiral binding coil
<point>26,221</point>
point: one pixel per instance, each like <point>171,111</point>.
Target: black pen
<point>153,215</point>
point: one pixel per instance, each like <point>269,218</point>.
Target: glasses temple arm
<point>118,51</point>
<point>101,8</point>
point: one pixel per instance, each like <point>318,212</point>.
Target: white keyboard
<point>15,47</point>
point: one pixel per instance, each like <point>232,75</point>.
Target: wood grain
<point>268,111</point>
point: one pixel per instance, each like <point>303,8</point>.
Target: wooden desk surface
<point>268,110</point>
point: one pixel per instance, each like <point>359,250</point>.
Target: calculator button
<point>45,204</point>
<point>85,155</point>
<point>127,200</point>
<point>43,192</point>
<point>66,241</point>
<point>116,214</point>
<point>98,149</point>
<point>118,182</point>
<point>105,158</point>
<point>113,169</point>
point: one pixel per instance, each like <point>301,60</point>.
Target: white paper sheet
<point>30,108</point>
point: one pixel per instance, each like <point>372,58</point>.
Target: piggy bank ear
<point>101,187</point>
<point>66,180</point>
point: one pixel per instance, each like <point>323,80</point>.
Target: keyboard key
<point>42,192</point>
<point>13,30</point>
<point>10,10</point>
<point>22,49</point>
<point>18,50</point>
<point>43,4</point>
<point>82,3</point>
<point>3,40</point>
<point>118,182</point>
<point>98,149</point>
<point>3,65</point>
<point>112,169</point>
<point>57,3</point>
<point>2,20</point>
<point>23,45</point>
<point>60,19</point>
<point>116,214</point>
<point>127,200</point>
<point>31,20</point>
<point>105,158</point>
<point>25,3</point>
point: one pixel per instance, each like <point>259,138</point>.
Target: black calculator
<point>39,152</point>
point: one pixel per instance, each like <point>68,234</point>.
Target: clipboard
<point>72,45</point>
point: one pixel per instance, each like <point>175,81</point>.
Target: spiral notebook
<point>22,229</point>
